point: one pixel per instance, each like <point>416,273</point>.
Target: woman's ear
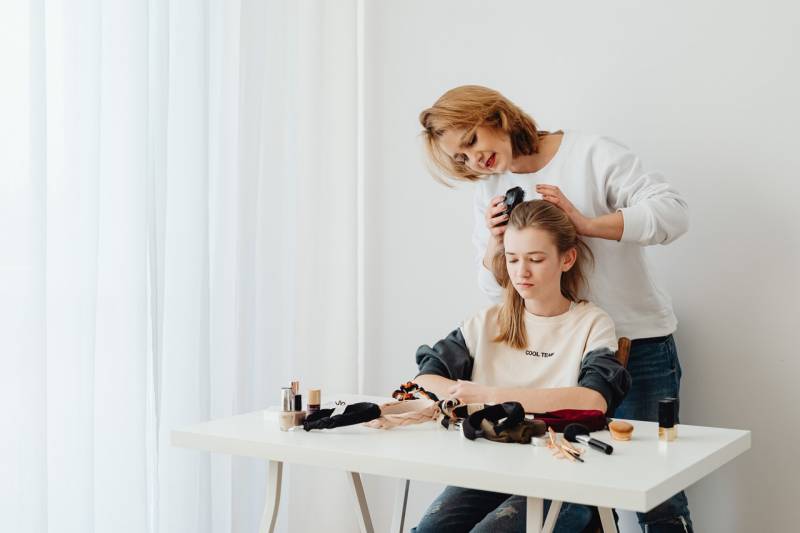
<point>568,259</point>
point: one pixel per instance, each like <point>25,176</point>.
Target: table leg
<point>270,515</point>
<point>607,520</point>
<point>400,503</point>
<point>533,516</point>
<point>552,516</point>
<point>362,511</point>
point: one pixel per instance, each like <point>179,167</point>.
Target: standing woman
<point>475,134</point>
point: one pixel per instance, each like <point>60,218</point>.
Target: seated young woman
<point>543,346</point>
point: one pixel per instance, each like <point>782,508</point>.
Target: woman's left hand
<point>469,392</point>
<point>553,194</point>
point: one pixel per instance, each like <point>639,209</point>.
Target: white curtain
<point>178,212</point>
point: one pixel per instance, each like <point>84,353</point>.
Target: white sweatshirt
<point>600,176</point>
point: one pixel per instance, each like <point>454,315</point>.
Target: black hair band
<point>502,415</point>
<point>355,413</point>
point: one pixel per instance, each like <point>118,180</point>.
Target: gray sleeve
<point>449,358</point>
<point>602,372</point>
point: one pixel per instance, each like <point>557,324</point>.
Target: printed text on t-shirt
<point>534,353</point>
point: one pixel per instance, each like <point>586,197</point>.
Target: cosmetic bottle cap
<point>666,413</point>
<point>298,402</point>
<point>677,403</point>
<point>314,396</point>
<point>295,387</point>
<point>287,404</point>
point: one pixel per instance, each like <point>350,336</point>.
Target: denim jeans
<point>656,374</point>
<point>458,510</point>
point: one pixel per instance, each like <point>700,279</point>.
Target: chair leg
<point>533,516</point>
<point>552,516</point>
<point>607,520</point>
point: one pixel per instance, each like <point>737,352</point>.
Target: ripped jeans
<point>459,510</point>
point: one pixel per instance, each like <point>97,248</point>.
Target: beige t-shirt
<point>556,347</point>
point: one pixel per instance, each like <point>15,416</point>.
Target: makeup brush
<point>580,433</point>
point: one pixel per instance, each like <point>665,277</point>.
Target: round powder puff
<point>620,430</point>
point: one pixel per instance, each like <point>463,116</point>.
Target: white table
<point>639,475</point>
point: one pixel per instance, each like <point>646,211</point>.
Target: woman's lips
<point>490,161</point>
<point>524,285</point>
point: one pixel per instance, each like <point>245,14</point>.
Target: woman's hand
<point>494,216</point>
<point>553,194</point>
<point>469,392</point>
<point>610,226</point>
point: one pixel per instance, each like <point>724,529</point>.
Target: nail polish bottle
<point>666,420</point>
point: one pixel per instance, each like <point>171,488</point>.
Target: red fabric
<point>558,420</point>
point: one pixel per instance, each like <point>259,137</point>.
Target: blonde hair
<point>542,215</point>
<point>468,107</point>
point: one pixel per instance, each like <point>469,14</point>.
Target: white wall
<point>704,92</point>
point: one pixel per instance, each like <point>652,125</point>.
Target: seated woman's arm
<point>544,400</point>
<point>436,384</point>
<point>444,363</point>
<point>602,385</point>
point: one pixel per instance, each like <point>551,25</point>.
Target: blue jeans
<point>656,374</point>
<point>458,510</point>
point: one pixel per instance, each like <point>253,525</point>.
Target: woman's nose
<point>475,157</point>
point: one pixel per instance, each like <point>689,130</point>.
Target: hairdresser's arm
<point>493,216</point>
<point>646,210</point>
<point>654,211</point>
<point>610,226</point>
<point>486,238</point>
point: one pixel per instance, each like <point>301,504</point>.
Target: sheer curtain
<point>178,238</point>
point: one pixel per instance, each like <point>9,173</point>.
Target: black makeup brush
<point>580,433</point>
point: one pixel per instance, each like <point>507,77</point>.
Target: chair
<point>623,350</point>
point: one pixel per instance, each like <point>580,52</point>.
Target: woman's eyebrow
<point>527,253</point>
<point>466,137</point>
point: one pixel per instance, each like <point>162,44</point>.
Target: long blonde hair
<point>468,107</point>
<point>542,215</point>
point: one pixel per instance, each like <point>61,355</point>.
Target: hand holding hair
<point>471,392</point>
